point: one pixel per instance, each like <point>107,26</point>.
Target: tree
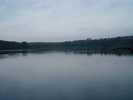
<point>25,45</point>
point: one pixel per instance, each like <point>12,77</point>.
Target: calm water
<point>66,76</point>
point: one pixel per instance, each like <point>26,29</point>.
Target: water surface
<point>65,76</point>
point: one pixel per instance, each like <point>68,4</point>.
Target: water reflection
<point>25,53</point>
<point>65,76</point>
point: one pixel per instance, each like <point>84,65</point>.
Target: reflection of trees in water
<point>12,55</point>
<point>39,52</point>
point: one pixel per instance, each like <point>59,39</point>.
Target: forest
<point>105,45</point>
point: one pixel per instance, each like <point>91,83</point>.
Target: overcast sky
<point>59,20</point>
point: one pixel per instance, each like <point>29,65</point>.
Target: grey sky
<point>59,20</point>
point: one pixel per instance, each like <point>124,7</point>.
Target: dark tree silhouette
<point>25,45</point>
<point>107,45</point>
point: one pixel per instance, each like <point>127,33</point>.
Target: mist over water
<point>65,76</point>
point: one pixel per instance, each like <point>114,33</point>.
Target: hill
<point>117,44</point>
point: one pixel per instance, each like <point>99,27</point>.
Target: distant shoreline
<point>122,45</point>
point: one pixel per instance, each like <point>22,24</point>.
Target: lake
<point>66,76</point>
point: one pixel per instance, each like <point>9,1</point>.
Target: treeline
<point>117,44</point>
<point>13,45</point>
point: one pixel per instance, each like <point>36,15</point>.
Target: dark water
<point>66,76</point>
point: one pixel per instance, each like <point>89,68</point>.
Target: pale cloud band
<point>58,20</point>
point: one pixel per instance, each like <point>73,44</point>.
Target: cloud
<point>58,20</point>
